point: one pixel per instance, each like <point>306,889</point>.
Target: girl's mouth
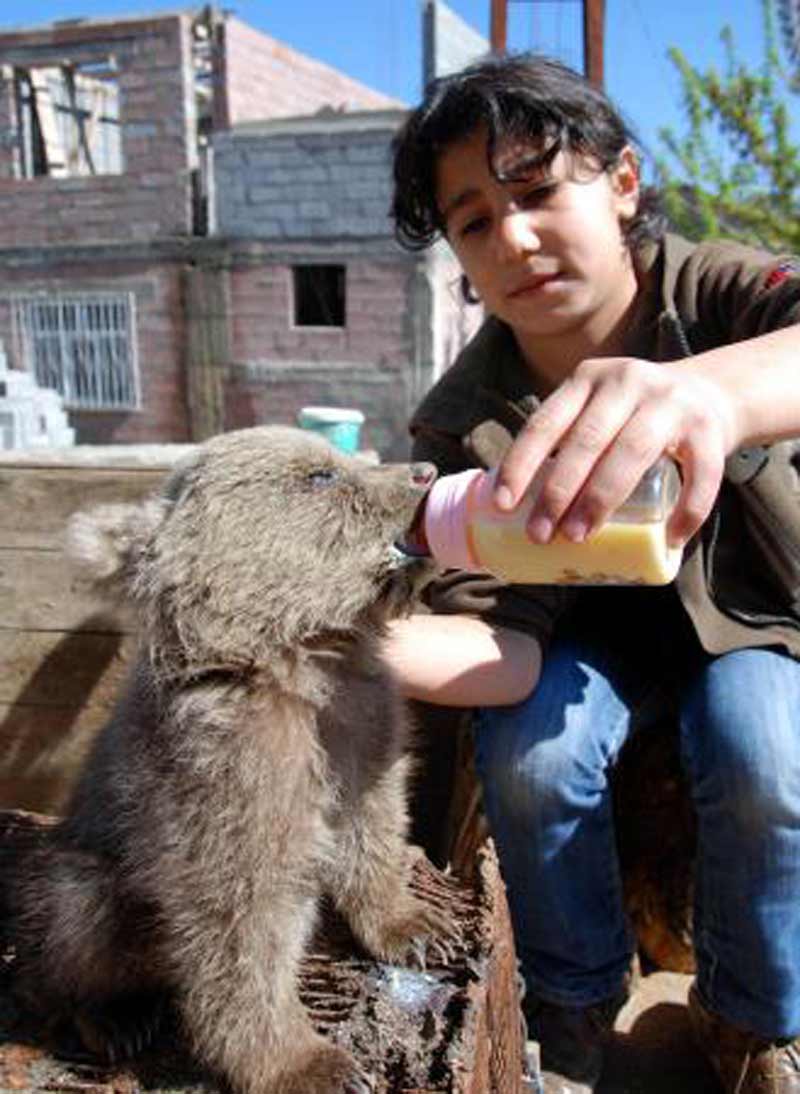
<point>531,284</point>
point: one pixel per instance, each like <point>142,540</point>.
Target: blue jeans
<point>545,763</point>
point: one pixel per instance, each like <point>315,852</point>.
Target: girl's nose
<point>517,233</point>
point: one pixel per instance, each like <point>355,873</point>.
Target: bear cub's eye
<point>323,476</point>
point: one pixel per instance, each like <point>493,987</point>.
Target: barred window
<point>83,346</point>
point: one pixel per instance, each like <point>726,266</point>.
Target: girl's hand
<point>604,426</point>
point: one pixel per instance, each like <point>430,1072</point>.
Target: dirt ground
<point>652,1051</point>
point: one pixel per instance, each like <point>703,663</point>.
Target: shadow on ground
<point>652,1051</point>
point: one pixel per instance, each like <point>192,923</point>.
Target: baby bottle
<point>466,531</point>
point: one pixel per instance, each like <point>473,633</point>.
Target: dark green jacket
<point>740,579</point>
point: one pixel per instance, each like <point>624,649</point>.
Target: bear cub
<point>256,760</point>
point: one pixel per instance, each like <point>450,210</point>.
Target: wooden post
<point>498,35</point>
<point>593,36</point>
<point>207,348</point>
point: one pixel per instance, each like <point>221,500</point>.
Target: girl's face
<point>545,254</point>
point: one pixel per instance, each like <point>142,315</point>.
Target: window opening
<point>83,346</point>
<point>69,120</point>
<point>319,296</point>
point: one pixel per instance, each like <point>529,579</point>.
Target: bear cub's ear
<point>106,543</point>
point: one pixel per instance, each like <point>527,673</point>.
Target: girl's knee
<point>741,737</point>
<point>535,774</point>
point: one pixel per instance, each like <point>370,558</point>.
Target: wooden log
<point>454,1027</point>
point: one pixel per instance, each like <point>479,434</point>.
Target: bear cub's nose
<point>423,474</point>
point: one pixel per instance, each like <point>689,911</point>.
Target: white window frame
<point>81,344</point>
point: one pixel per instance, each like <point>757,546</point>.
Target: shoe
<point>571,1043</point>
<point>744,1062</point>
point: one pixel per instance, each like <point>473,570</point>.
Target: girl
<point>606,344</point>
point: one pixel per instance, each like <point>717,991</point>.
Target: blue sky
<point>378,41</point>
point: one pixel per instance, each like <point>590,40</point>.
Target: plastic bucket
<point>341,425</point>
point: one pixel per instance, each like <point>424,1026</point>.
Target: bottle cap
<point>446,517</point>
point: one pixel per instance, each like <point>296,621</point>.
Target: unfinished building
<point>194,233</point>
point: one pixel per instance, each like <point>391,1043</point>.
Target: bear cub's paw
<point>329,1070</point>
<point>422,933</point>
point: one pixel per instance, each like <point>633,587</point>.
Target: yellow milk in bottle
<point>465,530</point>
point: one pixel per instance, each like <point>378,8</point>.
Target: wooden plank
<point>36,502</point>
<point>46,114</point>
<point>57,689</point>
<point>63,669</point>
<point>41,752</point>
<point>39,592</point>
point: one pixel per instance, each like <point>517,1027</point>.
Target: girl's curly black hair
<point>525,96</point>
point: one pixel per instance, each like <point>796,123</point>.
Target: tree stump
<point>453,1027</point>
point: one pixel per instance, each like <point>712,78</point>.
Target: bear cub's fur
<point>256,760</point>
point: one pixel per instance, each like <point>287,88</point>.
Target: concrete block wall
<point>264,78</point>
<point>160,342</point>
<point>306,179</point>
<point>152,197</point>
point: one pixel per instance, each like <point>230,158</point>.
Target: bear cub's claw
<point>426,934</point>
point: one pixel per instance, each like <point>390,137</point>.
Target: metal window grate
<point>83,346</point>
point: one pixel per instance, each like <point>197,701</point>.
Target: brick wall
<point>266,79</point>
<point>153,196</point>
<point>309,178</point>
<point>448,42</point>
<point>404,324</point>
<point>159,316</point>
<point>277,367</point>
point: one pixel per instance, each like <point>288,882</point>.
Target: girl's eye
<point>477,224</point>
<point>323,476</point>
<point>538,195</point>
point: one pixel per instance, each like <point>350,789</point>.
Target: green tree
<point>735,172</point>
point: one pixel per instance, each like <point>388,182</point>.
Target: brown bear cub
<point>256,760</point>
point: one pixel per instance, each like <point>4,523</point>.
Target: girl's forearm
<point>759,381</point>
<point>461,661</point>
